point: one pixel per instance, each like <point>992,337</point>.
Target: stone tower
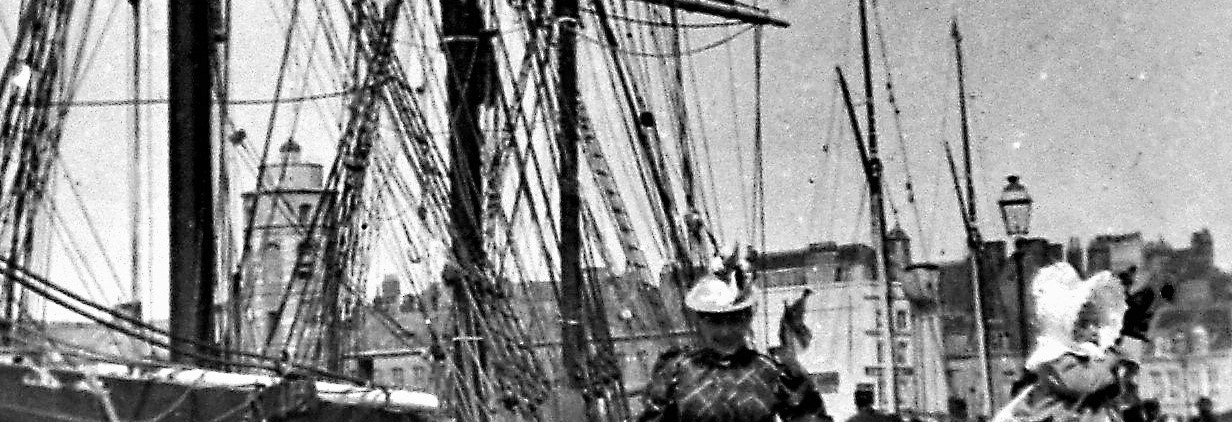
<point>286,232</point>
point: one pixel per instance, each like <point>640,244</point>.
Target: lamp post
<point>1015,204</point>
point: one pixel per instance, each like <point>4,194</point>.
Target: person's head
<point>725,329</point>
<point>1205,405</point>
<point>724,311</point>
<point>1150,408</point>
<point>864,399</point>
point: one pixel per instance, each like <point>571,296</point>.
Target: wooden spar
<point>467,67</point>
<point>974,246</point>
<point>966,128</point>
<point>876,201</point>
<point>573,331</point>
<point>729,10</point>
<point>190,181</point>
<point>855,122</point>
<point>135,170</point>
<point>974,240</point>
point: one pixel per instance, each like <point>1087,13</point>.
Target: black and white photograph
<point>615,211</point>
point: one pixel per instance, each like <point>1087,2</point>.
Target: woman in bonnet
<point>1090,335</point>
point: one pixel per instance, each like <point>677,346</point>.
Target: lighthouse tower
<point>282,270</point>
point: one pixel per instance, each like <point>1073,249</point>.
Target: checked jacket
<point>706,386</point>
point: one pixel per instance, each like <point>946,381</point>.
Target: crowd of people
<point>1081,369</point>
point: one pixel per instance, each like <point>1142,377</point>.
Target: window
<point>877,319</point>
<point>994,340</point>
<point>419,375</point>
<point>271,264</point>
<point>901,351</point>
<point>271,322</point>
<point>643,360</point>
<point>399,377</point>
<point>880,352</point>
<point>901,320</point>
<point>305,213</point>
<point>880,392</point>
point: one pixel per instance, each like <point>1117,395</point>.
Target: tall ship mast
<point>532,198</point>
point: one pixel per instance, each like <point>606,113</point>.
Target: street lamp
<point>1015,204</point>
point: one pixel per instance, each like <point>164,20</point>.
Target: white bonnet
<point>1060,294</point>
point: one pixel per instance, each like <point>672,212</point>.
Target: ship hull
<point>24,397</point>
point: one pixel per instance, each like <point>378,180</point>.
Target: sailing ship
<point>462,128</point>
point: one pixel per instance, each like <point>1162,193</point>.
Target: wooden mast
<point>575,352</point>
<point>134,171</point>
<point>873,170</point>
<point>574,336</point>
<point>974,240</point>
<point>467,67</point>
<point>191,181</point>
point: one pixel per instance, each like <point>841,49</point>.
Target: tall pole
<point>966,128</point>
<point>877,216</point>
<point>134,166</point>
<point>191,181</point>
<point>1024,326</point>
<point>973,251</point>
<point>973,238</point>
<point>573,332</point>
<point>462,24</point>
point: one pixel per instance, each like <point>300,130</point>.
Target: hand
<point>792,322</point>
<point>1138,314</point>
<point>794,334</point>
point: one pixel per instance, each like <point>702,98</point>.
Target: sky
<point>1114,113</point>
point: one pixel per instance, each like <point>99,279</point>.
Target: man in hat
<point>724,380</point>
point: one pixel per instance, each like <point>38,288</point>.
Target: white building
<point>846,313</point>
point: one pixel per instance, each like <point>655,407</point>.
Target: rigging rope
<point>158,101</point>
<point>662,24</point>
<point>656,54</point>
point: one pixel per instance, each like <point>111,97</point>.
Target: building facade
<point>1190,352</point>
<point>847,314</point>
<point>1190,355</point>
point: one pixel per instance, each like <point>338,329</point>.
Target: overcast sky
<point>1115,114</point>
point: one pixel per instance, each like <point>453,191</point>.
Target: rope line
<point>704,48</point>
<point>158,101</point>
